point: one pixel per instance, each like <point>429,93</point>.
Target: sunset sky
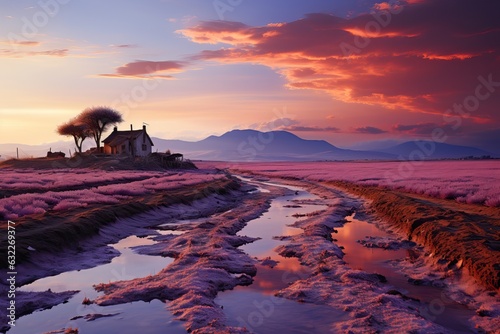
<point>352,72</point>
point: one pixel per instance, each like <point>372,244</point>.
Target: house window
<point>144,147</point>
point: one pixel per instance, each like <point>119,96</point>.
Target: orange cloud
<point>20,43</point>
<point>219,32</point>
<point>26,48</point>
<point>425,58</point>
<point>357,31</point>
<point>8,53</point>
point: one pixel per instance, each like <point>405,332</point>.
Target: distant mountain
<point>250,145</point>
<point>487,140</point>
<point>433,150</point>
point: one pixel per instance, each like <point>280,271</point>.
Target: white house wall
<point>138,147</point>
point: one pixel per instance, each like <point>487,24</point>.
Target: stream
<point>126,318</point>
<point>253,306</point>
<point>439,308</point>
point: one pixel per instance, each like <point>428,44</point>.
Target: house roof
<point>118,137</point>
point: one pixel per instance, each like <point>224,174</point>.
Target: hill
<point>252,145</point>
<point>433,150</point>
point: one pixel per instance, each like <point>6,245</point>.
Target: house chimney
<point>115,129</point>
<point>131,127</point>
<point>144,128</point>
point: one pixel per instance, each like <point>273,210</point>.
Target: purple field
<point>373,252</point>
<point>473,182</point>
<point>68,189</point>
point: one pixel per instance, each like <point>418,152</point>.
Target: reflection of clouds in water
<point>356,255</point>
<point>269,280</point>
<point>132,241</point>
<point>125,266</point>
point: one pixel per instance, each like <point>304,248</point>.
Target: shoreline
<point>382,307</point>
<point>463,235</point>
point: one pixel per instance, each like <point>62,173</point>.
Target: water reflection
<point>364,258</point>
<point>276,222</point>
<point>452,315</point>
<point>269,280</point>
<point>126,266</point>
<point>129,318</point>
<point>266,314</point>
<point>255,306</point>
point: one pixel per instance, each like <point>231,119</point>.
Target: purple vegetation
<point>96,187</point>
<point>472,182</point>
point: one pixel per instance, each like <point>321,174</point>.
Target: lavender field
<point>325,247</point>
<point>39,191</point>
<point>472,182</point>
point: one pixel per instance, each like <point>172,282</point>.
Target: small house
<point>135,143</point>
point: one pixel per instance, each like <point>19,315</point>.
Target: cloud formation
<point>299,128</point>
<point>289,124</point>
<point>423,56</point>
<point>275,124</point>
<point>28,48</point>
<point>123,46</point>
<point>424,129</point>
<point>9,53</point>
<point>147,69</point>
<point>369,130</point>
<point>15,43</point>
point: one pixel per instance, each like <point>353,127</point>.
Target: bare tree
<point>79,132</point>
<point>98,120</point>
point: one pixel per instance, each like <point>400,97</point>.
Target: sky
<point>357,73</point>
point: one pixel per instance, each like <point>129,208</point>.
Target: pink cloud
<point>426,58</point>
<point>147,69</point>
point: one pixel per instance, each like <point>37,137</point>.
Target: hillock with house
<point>123,150</point>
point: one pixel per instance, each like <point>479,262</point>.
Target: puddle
<point>270,315</point>
<point>131,317</point>
<point>439,309</point>
<point>255,306</point>
<point>364,258</point>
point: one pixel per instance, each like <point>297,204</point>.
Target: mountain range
<point>253,145</point>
